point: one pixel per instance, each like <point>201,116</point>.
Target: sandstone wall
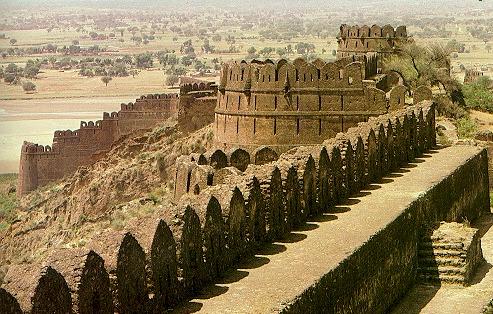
<point>472,75</point>
<point>40,165</point>
<point>195,113</point>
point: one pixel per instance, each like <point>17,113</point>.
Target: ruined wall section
<point>146,112</point>
<point>285,105</point>
<point>356,40</point>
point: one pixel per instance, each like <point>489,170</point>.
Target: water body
<point>36,120</point>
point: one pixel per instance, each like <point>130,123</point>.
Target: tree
<point>144,60</point>
<point>266,51</point>
<point>187,60</point>
<point>289,49</point>
<point>171,79</point>
<point>206,47</point>
<point>133,72</point>
<point>281,52</point>
<point>9,78</point>
<point>28,86</point>
<point>13,41</point>
<point>477,94</point>
<point>251,51</point>
<point>454,45</point>
<point>12,68</point>
<point>418,65</point>
<point>304,48</point>
<point>31,70</point>
<point>106,79</point>
<point>75,42</point>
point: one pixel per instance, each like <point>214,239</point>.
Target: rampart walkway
<point>286,269</point>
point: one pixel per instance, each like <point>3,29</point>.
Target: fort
<point>194,243</point>
<point>361,40</point>
<point>304,154</point>
<point>40,165</point>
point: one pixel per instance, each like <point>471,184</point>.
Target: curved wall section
<point>283,104</point>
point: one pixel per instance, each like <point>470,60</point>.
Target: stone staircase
<point>449,254</point>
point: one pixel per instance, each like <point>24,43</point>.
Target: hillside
<point>134,180</point>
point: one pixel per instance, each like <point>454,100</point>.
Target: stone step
<point>446,278</point>
<point>442,270</point>
<point>440,252</point>
<point>441,245</point>
<point>441,261</point>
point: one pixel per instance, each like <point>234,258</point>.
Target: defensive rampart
<point>197,102</point>
<point>471,75</point>
<point>40,165</point>
<point>285,105</point>
<point>213,228</point>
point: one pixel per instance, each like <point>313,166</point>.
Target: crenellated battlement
<point>282,75</point>
<point>91,124</point>
<point>375,31</point>
<point>471,75</point>
<point>33,149</point>
<point>227,216</point>
<point>362,40</point>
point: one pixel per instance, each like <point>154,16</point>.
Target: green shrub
<point>466,127</point>
<point>477,94</point>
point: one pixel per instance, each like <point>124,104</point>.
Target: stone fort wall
<point>40,164</point>
<point>360,40</point>
<point>210,231</point>
<point>283,105</point>
<point>196,242</point>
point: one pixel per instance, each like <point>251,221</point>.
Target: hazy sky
<point>250,3</point>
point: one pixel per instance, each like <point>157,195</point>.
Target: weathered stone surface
<point>40,164</point>
<point>38,289</point>
<point>86,277</point>
<point>131,276</point>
